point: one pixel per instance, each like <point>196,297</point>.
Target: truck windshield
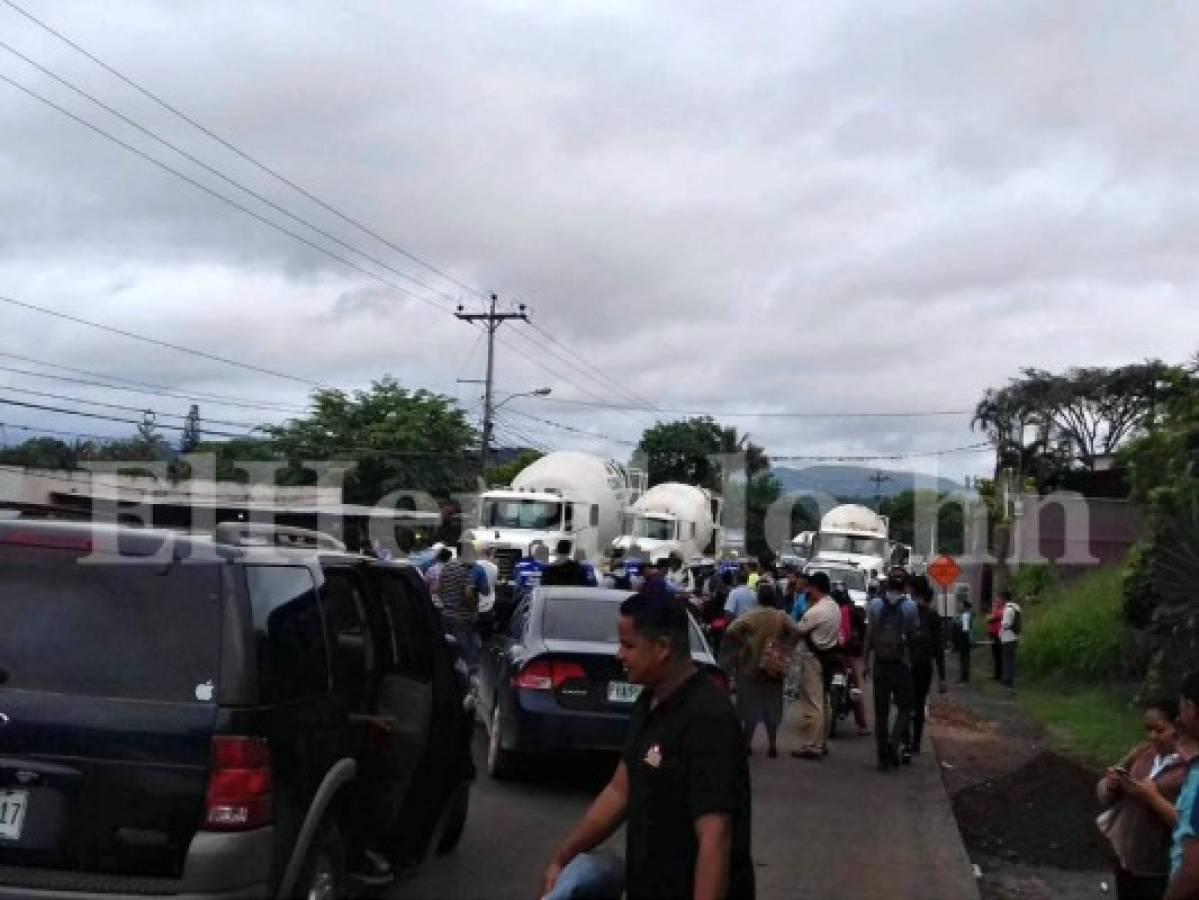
<point>848,543</point>
<point>538,515</point>
<point>655,529</point>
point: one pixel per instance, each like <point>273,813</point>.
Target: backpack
<point>888,640</point>
<point>1017,621</point>
<point>920,641</point>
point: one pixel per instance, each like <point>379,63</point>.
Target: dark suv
<point>187,717</point>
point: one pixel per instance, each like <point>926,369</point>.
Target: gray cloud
<point>763,206</point>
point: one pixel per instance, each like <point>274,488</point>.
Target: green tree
<point>42,453</point>
<point>1159,587</point>
<point>396,438</point>
<point>503,473</point>
<point>901,513</point>
<point>683,451</point>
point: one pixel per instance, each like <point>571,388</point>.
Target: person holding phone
<point>1138,796</point>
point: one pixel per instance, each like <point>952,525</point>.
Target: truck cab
<point>511,521</point>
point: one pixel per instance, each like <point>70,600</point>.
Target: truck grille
<point>505,561</point>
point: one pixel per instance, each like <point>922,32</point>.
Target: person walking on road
<point>1184,851</point>
<point>853,646</point>
<point>758,649</point>
<point>926,649</point>
<point>1138,795</point>
<point>893,618</point>
<point>742,598</point>
<point>1010,626</point>
<point>820,632</point>
<point>681,787</point>
<point>463,583</point>
<point>994,626</point>
<point>962,641</point>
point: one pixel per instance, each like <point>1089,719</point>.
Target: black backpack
<point>889,641</point>
<point>920,642</point>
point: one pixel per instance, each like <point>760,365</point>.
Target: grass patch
<point>1097,724</point>
<point>1076,629</point>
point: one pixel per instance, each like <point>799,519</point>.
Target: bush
<point>1030,582</point>
<point>1077,632</point>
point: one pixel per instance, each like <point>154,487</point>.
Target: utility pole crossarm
<point>491,320</point>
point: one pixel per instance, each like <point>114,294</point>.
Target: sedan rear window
<point>127,630</point>
<point>593,621</point>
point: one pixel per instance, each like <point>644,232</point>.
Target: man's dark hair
<point>657,615</point>
<point>920,587</point>
<point>820,581</point>
<point>444,555</point>
<point>1190,687</point>
<point>1005,595</point>
<point>563,548</point>
<point>742,577</point>
<point>1167,706</point>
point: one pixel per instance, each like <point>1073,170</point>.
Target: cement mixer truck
<point>855,535</point>
<point>567,500</point>
<point>674,518</point>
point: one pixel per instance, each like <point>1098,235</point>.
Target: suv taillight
<point>239,788</point>
<point>542,675</point>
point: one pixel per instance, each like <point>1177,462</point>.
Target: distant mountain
<point>850,483</point>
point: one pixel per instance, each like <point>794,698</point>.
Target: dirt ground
<point>1027,814</point>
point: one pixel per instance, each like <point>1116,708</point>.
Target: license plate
<point>623,692</point>
<point>839,679</point>
<point>12,814</point>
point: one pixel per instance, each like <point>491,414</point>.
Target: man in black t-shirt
<point>682,785</point>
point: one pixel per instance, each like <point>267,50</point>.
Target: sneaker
<point>905,756</point>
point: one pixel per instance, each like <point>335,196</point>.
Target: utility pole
<point>878,478</point>
<point>492,320</point>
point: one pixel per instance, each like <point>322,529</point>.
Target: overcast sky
<point>723,207</point>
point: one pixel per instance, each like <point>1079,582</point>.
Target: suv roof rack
<point>257,534</point>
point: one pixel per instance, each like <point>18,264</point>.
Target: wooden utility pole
<point>491,321</point>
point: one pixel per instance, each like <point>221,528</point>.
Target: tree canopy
<point>398,440</point>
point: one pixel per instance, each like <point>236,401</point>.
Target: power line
<point>133,390</point>
<point>571,429</point>
<point>123,407</point>
<point>768,414</point>
<point>599,373</point>
<point>912,454</point>
<point>5,401</point>
<point>203,354</point>
<point>158,389</point>
<point>241,153</point>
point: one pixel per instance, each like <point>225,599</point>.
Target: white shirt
<point>492,571</point>
<point>1006,634</point>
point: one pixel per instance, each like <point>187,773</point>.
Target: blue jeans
<point>590,876</point>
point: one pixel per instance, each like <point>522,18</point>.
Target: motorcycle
<point>843,692</point>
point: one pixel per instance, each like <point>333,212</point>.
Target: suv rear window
<point>128,630</point>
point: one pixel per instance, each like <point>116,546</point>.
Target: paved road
<point>832,829</point>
